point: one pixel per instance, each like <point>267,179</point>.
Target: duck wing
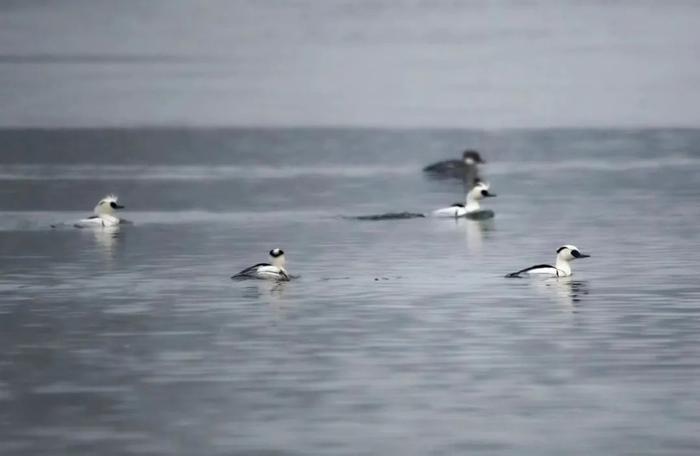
<point>248,272</point>
<point>522,271</point>
<point>444,166</point>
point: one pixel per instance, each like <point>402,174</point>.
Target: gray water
<point>399,337</point>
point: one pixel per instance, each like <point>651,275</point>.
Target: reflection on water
<point>566,291</point>
<point>262,289</point>
<point>268,296</point>
<point>475,231</point>
<point>578,290</point>
<point>106,239</point>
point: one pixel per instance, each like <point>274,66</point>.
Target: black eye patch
<point>576,253</point>
<point>484,192</point>
<point>113,205</point>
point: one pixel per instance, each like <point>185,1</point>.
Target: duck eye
<point>484,192</point>
<point>576,253</point>
<point>113,205</point>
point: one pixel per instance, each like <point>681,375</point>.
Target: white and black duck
<point>275,270</point>
<point>562,267</point>
<point>105,214</point>
<point>471,207</point>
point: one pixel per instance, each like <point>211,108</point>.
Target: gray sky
<point>382,63</point>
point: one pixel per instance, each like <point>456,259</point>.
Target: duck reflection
<point>261,289</point>
<point>107,239</point>
<point>475,232</point>
<point>566,291</point>
<point>271,295</point>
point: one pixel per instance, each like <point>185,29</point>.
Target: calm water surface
<point>399,337</point>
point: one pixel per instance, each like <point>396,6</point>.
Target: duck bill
<point>117,206</point>
<point>583,255</point>
<point>490,195</point>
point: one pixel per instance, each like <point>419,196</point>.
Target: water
<point>400,337</point>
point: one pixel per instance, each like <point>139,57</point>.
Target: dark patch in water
<point>390,216</point>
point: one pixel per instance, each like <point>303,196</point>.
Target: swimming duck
<point>466,168</point>
<point>562,267</point>
<point>471,208</point>
<point>275,270</point>
<point>105,214</point>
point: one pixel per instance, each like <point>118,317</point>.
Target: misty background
<point>476,64</point>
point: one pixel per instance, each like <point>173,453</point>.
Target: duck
<point>472,207</point>
<point>562,267</point>
<point>105,215</point>
<point>466,168</point>
<point>275,270</point>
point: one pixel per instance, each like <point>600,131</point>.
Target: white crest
<point>104,206</point>
<point>111,198</point>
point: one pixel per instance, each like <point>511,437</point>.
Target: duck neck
<point>472,203</point>
<point>564,266</point>
<point>279,262</point>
